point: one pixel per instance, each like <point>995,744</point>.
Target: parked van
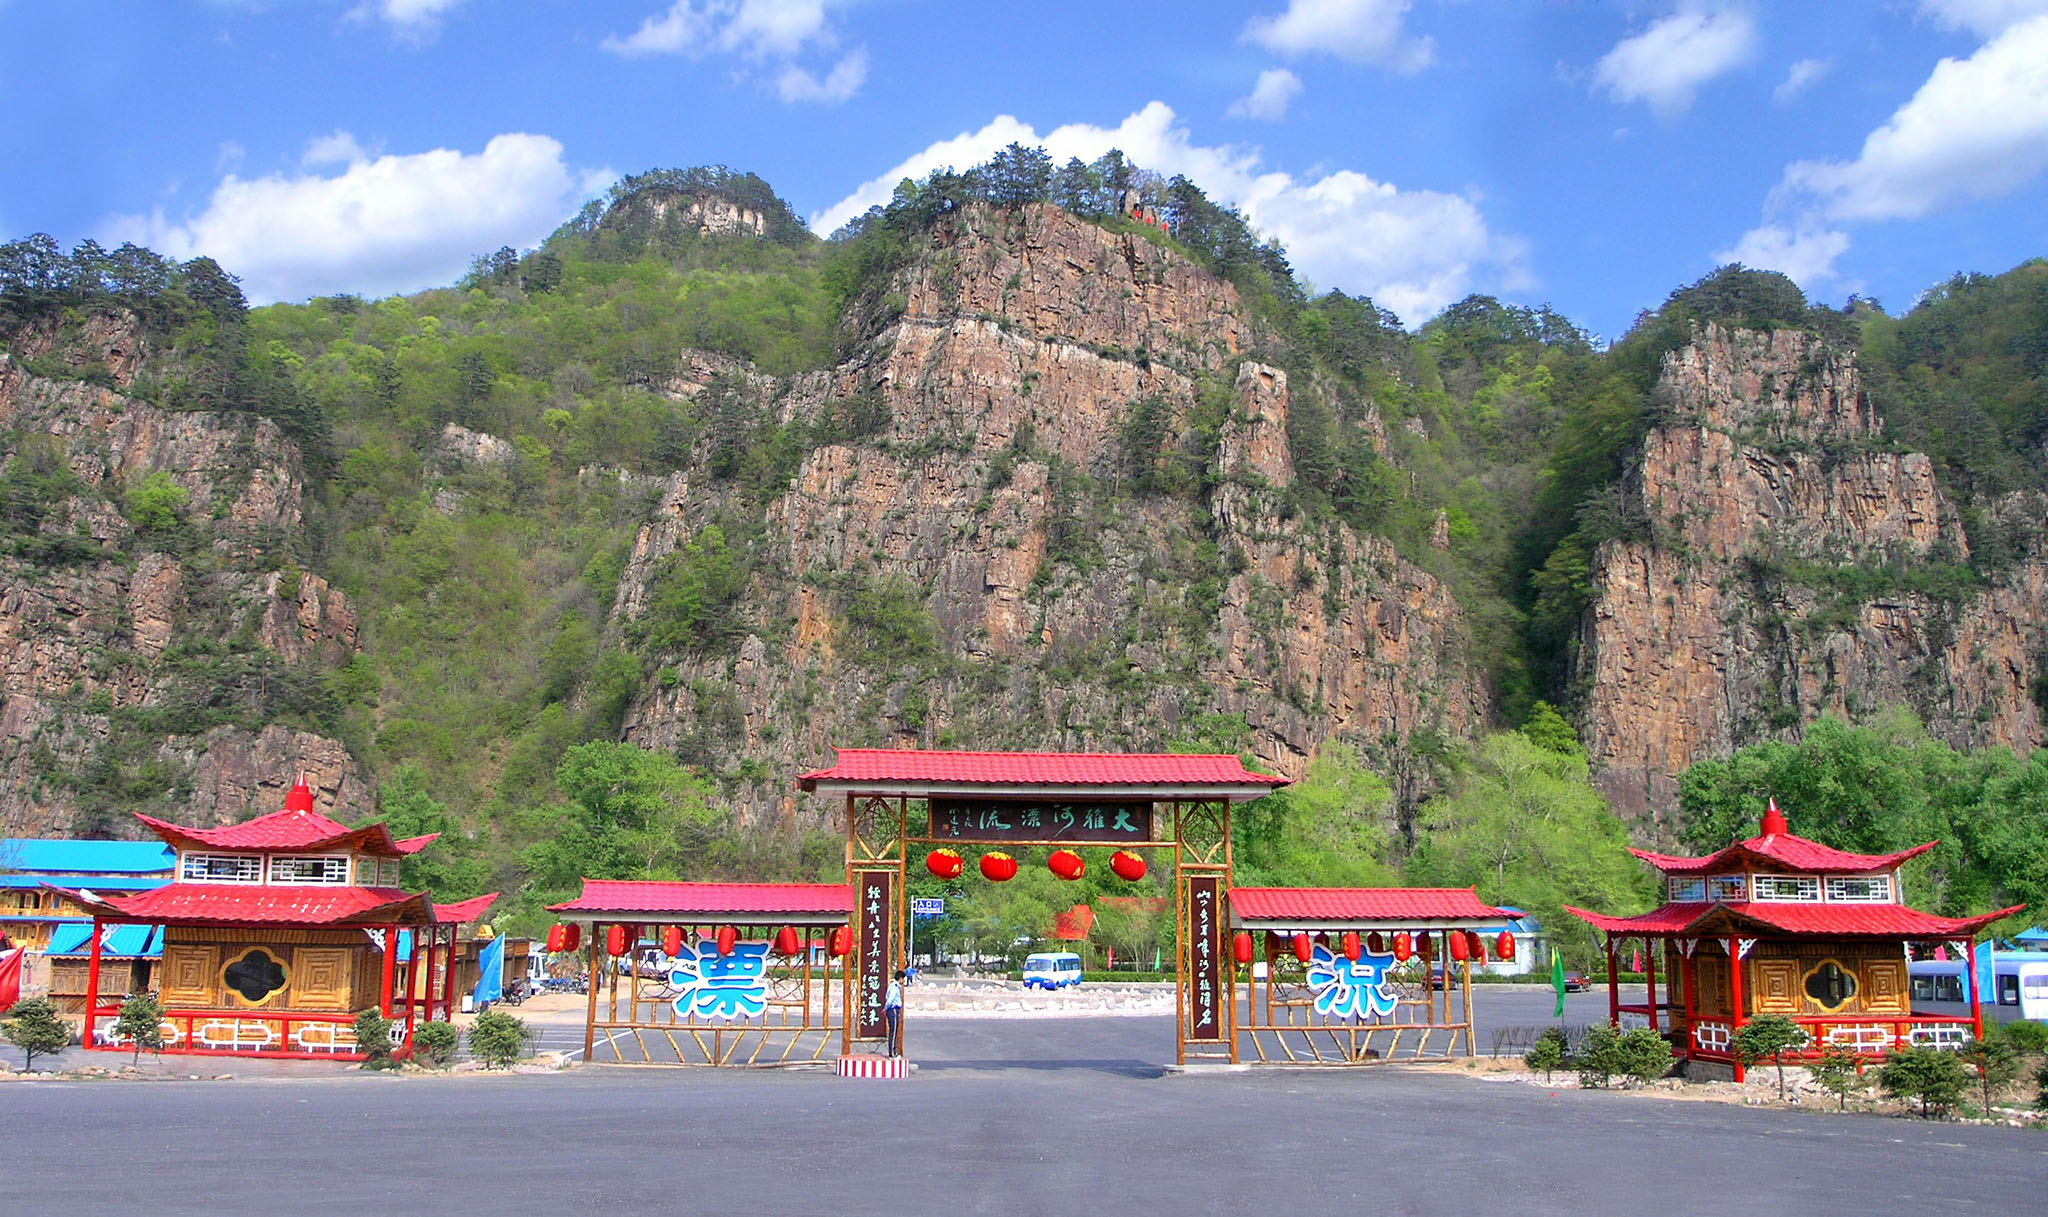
<point>1052,970</point>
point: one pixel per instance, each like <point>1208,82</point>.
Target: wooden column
<point>390,966</point>
<point>590,1017</point>
<point>92,983</point>
<point>1690,970</point>
<point>1970,970</point>
<point>1613,986</point>
<point>1650,977</point>
<point>1735,998</point>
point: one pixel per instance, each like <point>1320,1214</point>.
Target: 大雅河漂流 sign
<point>1003,820</point>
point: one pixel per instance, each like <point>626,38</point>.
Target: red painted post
<point>92,985</point>
<point>1613,986</point>
<point>390,963</point>
<point>448,973</point>
<point>1650,975</point>
<point>1976,1010</point>
<point>1689,969</point>
<point>426,983</point>
<point>1735,1000</point>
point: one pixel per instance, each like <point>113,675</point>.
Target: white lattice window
<point>1733,889</point>
<point>1788,889</point>
<point>320,870</point>
<point>221,868</point>
<point>1688,891</point>
<point>1860,889</point>
<point>376,872</point>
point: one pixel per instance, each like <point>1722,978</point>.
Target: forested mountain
<point>1035,456</point>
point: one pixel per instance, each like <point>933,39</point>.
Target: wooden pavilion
<point>1778,924</point>
<point>276,933</point>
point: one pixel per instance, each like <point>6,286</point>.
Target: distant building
<point>29,912</point>
<point>1532,945</point>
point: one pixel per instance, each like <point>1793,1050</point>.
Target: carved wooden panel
<point>320,978</point>
<point>1712,971</point>
<point>1884,986</point>
<point>188,975</point>
<point>1777,987</point>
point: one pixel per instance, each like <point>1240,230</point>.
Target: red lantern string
<point>728,937</point>
<point>1304,947</point>
<point>1404,946</point>
<point>672,941</point>
<point>1351,945</point>
<point>1504,946</point>
<point>1241,947</point>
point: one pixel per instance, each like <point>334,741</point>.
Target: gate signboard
<point>875,913</point>
<point>999,820</point>
<point>1204,1011</point>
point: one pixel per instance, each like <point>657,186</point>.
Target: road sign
<point>927,906</point>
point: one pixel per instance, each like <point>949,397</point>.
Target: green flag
<point>1557,982</point>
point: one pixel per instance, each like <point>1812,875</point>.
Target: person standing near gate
<point>892,1014</point>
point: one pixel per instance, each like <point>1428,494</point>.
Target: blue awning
<point>116,941</point>
<point>98,883</point>
<point>62,857</point>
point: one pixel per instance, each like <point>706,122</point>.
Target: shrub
<point>1548,1053</point>
<point>1595,1058</point>
<point>433,1044</point>
<point>2024,1034</point>
<point>141,1024</point>
<point>33,1027</point>
<point>1638,1053</point>
<point>1839,1073</point>
<point>1768,1037</point>
<point>1935,1078</point>
<point>1995,1060</point>
<point>154,504</point>
<point>373,1040</point>
<point>496,1039</point>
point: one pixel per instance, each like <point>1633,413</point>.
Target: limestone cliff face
<point>1735,622</point>
<point>92,644</point>
<point>1068,612</point>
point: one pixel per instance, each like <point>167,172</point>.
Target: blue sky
<point>1592,156</point>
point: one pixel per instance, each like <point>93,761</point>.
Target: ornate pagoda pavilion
<point>1778,924</point>
<point>277,932</point>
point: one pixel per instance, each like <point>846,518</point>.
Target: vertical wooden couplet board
<point>1204,1017</point>
<point>875,914</point>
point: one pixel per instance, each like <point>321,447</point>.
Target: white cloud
<point>1414,251</point>
<point>1981,17</point>
<point>777,32</point>
<point>1356,31</point>
<point>396,223</point>
<point>1800,77</point>
<point>845,79</point>
<point>1806,255</point>
<point>339,148</point>
<point>416,19</point>
<point>1666,64</point>
<point>1978,128</point>
<point>1269,99</point>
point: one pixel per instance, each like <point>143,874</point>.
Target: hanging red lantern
<point>1404,946</point>
<point>1425,946</point>
<point>1304,947</point>
<point>672,941</point>
<point>1504,946</point>
<point>1376,942</point>
<point>572,937</point>
<point>1066,864</point>
<point>557,935</point>
<point>1460,949</point>
<point>1351,950</point>
<point>1126,865</point>
<point>1241,947</point>
<point>787,940</point>
<point>1474,946</point>
<point>727,938</point>
<point>842,941</point>
<point>615,940</point>
<point>998,867</point>
<point>945,863</point>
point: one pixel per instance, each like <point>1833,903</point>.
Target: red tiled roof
<point>971,769</point>
<point>1781,851</point>
<point>1819,920</point>
<point>464,910</point>
<point>1415,905</point>
<point>661,901</point>
<point>250,904</point>
<point>413,845</point>
<point>1074,924</point>
<point>291,829</point>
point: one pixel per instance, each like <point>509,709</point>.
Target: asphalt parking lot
<point>1005,1115</point>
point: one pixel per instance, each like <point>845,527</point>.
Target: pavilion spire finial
<point>1774,821</point>
<point>300,797</point>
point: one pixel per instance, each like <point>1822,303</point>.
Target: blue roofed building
<point>29,914</point>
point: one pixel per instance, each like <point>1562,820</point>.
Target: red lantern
<point>727,937</point>
<point>1351,945</point>
<point>557,935</point>
<point>672,941</point>
<point>998,867</point>
<point>787,942</point>
<point>572,937</point>
<point>1474,947</point>
<point>1127,865</point>
<point>615,940</point>
<point>1066,864</point>
<point>1460,949</point>
<point>842,941</point>
<point>1241,947</point>
<point>1376,942</point>
<point>1504,946</point>
<point>1304,947</point>
<point>945,863</point>
<point>1404,946</point>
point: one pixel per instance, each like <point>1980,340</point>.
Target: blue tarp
<point>59,857</point>
<point>122,941</point>
<point>490,985</point>
<point>98,883</point>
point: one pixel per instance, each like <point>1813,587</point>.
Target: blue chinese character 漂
<point>710,985</point>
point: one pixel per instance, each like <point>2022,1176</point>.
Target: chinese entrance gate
<point>1040,799</point>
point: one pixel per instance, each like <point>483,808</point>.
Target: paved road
<point>1004,1116</point>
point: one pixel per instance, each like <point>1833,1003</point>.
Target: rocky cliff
<point>131,657</point>
<point>1792,564</point>
<point>1067,608</point>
